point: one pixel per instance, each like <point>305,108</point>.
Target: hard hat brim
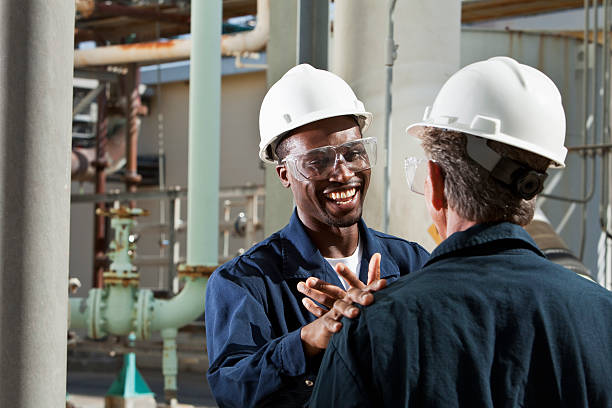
<point>557,158</point>
<point>364,119</point>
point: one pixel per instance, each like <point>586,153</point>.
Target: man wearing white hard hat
<point>265,339</point>
<point>489,321</point>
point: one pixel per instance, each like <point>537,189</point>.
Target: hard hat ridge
<point>500,99</point>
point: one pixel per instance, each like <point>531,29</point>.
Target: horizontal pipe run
<point>171,193</point>
<point>133,53</point>
<point>78,313</point>
<point>124,196</point>
<point>231,45</point>
<point>604,146</point>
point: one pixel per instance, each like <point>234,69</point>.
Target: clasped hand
<point>336,302</point>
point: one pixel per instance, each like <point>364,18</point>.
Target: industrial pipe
<point>85,7</point>
<point>182,309</point>
<point>35,112</point>
<point>553,246</point>
<point>153,52</point>
<point>119,307</point>
<point>120,310</point>
<point>204,135</point>
<point>253,40</point>
<point>390,55</point>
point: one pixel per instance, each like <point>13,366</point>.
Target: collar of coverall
<point>483,234</point>
<point>310,261</point>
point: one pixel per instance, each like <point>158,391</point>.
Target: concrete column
<point>281,56</point>
<point>427,33</point>
<point>36,54</point>
<point>204,134</point>
<point>299,31</point>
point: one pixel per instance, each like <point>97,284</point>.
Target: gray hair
<point>469,189</point>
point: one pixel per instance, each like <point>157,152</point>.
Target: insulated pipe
<point>204,134</point>
<point>35,117</point>
<point>253,40</point>
<point>130,53</point>
<point>231,44</point>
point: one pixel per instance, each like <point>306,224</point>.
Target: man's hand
<point>315,335</point>
<point>326,294</point>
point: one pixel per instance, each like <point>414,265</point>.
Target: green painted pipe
<point>182,308</point>
<point>119,309</point>
<point>204,133</point>
<point>170,362</point>
<point>78,313</point>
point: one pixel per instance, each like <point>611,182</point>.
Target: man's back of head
<point>489,321</point>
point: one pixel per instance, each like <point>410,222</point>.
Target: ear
<point>283,175</point>
<point>436,178</point>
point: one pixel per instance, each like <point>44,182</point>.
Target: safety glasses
<point>416,173</point>
<point>319,163</point>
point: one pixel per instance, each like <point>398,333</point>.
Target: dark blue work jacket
<point>254,314</point>
<point>488,322</point>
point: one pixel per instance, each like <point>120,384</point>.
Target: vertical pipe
<point>169,363</point>
<point>313,22</point>
<point>606,191</point>
<point>418,73</point>
<point>100,220</point>
<point>204,133</point>
<point>282,55</point>
<point>584,127</point>
<point>172,241</point>
<point>605,114</point>
<point>249,236</point>
<point>132,81</point>
<point>35,116</point>
<point>389,59</point>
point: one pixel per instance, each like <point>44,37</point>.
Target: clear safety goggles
<point>416,173</point>
<point>319,163</point>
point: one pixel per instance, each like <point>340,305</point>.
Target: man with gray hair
<point>489,321</point>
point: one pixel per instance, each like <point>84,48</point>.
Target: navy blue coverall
<point>254,314</point>
<point>488,322</point>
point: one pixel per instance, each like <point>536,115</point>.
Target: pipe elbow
<point>251,41</point>
<point>182,309</point>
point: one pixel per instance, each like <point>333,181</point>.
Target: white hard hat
<point>304,95</point>
<point>500,99</point>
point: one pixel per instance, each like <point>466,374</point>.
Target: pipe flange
<point>96,305</point>
<point>112,278</point>
<point>195,271</point>
<point>143,314</point>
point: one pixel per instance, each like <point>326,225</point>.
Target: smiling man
<point>265,338</point>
